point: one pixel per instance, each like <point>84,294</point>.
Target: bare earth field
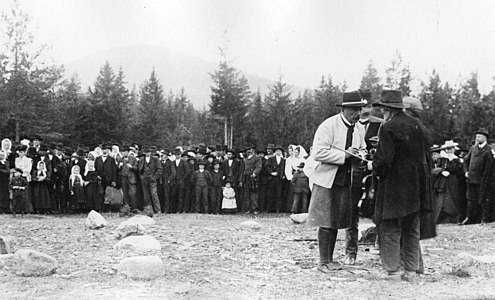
<point>212,257</point>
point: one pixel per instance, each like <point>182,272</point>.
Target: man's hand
<point>466,175</point>
<point>240,184</point>
<point>274,173</point>
<point>351,150</point>
<point>113,184</point>
<point>446,173</point>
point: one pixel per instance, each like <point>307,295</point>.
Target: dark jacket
<point>129,172</point>
<point>208,177</point>
<point>272,166</point>
<point>106,170</point>
<point>478,164</point>
<point>403,166</point>
<point>231,173</point>
<point>168,172</point>
<point>155,167</point>
<point>217,178</point>
<point>300,182</point>
<point>181,172</point>
<point>252,166</point>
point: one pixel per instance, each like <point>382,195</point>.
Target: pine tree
<point>371,81</point>
<point>230,97</point>
<point>27,81</point>
<point>279,106</point>
<point>152,111</point>
<point>398,75</point>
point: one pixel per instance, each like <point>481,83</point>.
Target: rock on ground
<point>299,218</point>
<point>139,243</point>
<point>5,245</point>
<point>141,267</point>
<point>95,220</point>
<point>34,263</point>
<point>466,265</point>
<point>6,260</point>
<point>143,220</point>
<point>126,229</point>
<point>251,225</point>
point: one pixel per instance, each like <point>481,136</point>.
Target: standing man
<point>128,172</point>
<point>329,168</point>
<point>250,180</point>
<point>107,171</point>
<point>404,189</point>
<point>150,170</point>
<point>178,184</point>
<point>477,167</point>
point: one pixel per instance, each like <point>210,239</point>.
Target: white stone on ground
<point>95,220</point>
<point>139,244</point>
<point>30,262</point>
<point>473,265</point>
<point>143,220</point>
<point>141,267</point>
<point>251,225</point>
<point>299,218</point>
<point>126,229</point>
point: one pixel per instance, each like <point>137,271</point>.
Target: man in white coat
<point>329,168</point>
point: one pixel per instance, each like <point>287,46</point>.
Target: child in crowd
<point>201,180</point>
<point>76,187</point>
<point>300,182</point>
<point>216,188</point>
<point>18,185</point>
<point>228,203</point>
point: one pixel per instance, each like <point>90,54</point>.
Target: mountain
<point>174,70</point>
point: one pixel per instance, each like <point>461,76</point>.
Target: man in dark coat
<point>107,170</point>
<point>150,171</point>
<point>477,167</point>
<point>402,164</point>
<point>178,184</point>
<point>168,176</point>
<point>275,167</point>
<point>250,180</point>
<point>128,168</point>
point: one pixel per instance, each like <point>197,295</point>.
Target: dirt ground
<point>212,257</point>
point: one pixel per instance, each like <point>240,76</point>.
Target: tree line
<point>35,98</point>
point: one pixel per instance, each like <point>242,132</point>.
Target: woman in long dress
<point>4,183</point>
<point>91,188</point>
<point>41,197</point>
<point>26,165</point>
<point>445,184</point>
<point>77,200</point>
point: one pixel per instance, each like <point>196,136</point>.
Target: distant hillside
<point>175,70</point>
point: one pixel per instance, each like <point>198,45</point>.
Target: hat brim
<point>393,105</point>
<point>352,105</point>
<point>483,133</point>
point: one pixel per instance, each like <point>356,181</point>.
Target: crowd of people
<point>49,178</point>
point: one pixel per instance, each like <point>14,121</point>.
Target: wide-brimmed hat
<point>353,99</point>
<point>435,148</point>
<point>450,144</point>
<point>412,103</point>
<point>231,151</point>
<point>390,98</point>
<point>201,162</point>
<point>483,131</point>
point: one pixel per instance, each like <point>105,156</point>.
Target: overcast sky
<point>300,39</point>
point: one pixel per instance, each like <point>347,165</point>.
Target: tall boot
<point>323,245</point>
<point>469,213</point>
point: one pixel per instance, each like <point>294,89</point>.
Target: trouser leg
<point>390,244</point>
<point>154,197</point>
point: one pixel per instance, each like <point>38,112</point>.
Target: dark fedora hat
<point>231,151</point>
<point>270,146</point>
<point>390,98</point>
<point>353,99</point>
<point>279,147</point>
<point>201,162</point>
<point>483,131</point>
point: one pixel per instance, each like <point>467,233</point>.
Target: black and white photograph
<point>247,149</point>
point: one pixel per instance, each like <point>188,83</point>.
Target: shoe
<point>390,276</point>
<point>375,251</point>
<point>408,276</point>
<point>350,261</point>
<point>323,269</point>
<point>465,222</point>
<point>334,266</point>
